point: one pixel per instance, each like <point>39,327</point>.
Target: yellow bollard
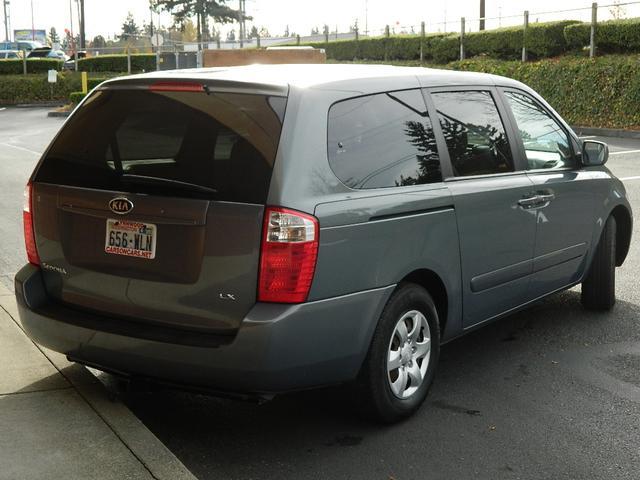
<point>85,88</point>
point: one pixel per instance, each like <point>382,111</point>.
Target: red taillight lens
<point>288,257</point>
<point>27,220</point>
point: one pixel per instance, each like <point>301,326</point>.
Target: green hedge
<point>34,65</point>
<point>542,40</point>
<point>76,97</point>
<point>406,47</point>
<point>140,62</point>
<point>16,89</point>
<point>601,92</point>
<point>613,36</point>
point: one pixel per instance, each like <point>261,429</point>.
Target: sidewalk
<point>56,421</point>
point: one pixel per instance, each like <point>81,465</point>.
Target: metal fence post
<point>326,34</point>
<point>24,62</point>
<point>75,58</point>
<point>175,47</point>
<point>128,61</point>
<point>386,42</point>
<point>524,35</point>
<point>258,41</point>
<point>592,37</point>
<point>158,59</point>
<point>297,39</point>
<point>422,35</point>
<point>461,38</point>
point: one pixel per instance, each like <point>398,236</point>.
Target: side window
<point>474,133</point>
<point>545,142</point>
<point>383,140</point>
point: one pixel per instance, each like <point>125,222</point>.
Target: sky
<point>105,17</point>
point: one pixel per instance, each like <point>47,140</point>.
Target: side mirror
<point>594,153</point>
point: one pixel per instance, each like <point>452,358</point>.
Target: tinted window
<point>226,142</point>
<point>545,142</point>
<point>474,133</point>
<point>383,140</point>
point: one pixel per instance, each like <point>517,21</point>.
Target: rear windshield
<point>223,145</point>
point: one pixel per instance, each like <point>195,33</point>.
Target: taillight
<point>27,220</point>
<point>288,257</point>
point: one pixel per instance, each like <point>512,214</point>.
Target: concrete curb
<point>35,105</point>
<point>156,458</point>
<point>58,114</point>
<point>607,132</point>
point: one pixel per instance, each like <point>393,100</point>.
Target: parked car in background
<point>70,63</point>
<point>263,229</point>
<point>10,54</point>
<point>47,52</point>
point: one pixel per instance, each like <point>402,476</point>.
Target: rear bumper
<point>278,348</point>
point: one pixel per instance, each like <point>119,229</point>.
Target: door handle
<point>547,197</point>
<point>529,202</point>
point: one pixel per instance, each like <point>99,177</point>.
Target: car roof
<point>339,76</point>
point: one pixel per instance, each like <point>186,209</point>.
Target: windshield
<point>224,142</point>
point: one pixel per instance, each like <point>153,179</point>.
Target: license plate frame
<point>136,239</point>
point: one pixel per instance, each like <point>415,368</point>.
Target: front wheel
<point>402,358</point>
<point>599,286</point>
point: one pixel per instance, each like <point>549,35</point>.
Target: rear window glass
<point>383,140</point>
<point>224,143</point>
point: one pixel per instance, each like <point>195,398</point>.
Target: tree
<point>264,32</point>
<point>98,42</point>
<point>53,36</point>
<point>617,11</point>
<point>129,28</point>
<point>254,32</point>
<point>231,36</point>
<point>189,32</point>
<point>183,10</point>
<point>315,31</point>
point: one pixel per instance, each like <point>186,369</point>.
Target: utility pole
<point>5,4</point>
<point>482,14</point>
<point>82,36</point>
<point>366,17</point>
<point>33,28</point>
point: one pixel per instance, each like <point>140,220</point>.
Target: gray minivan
<point>263,229</point>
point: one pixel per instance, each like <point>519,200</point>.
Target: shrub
<point>612,36</point>
<point>76,97</point>
<point>542,40</point>
<point>140,62</point>
<point>16,89</point>
<point>601,92</point>
<point>34,65</point>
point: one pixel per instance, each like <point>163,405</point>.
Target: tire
<point>374,391</point>
<point>599,286</point>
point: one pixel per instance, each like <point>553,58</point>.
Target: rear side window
<point>225,142</point>
<point>474,133</point>
<point>383,140</point>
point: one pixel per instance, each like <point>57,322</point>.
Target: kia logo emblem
<point>121,205</point>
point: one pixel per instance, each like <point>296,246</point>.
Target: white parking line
<point>631,178</point>
<point>21,148</point>
<point>624,151</point>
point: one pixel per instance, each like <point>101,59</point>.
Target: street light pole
<point>82,36</point>
<point>33,28</point>
<point>482,14</point>
<point>6,20</point>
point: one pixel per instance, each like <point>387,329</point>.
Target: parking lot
<point>549,393</point>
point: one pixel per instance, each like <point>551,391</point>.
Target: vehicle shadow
<point>507,361</point>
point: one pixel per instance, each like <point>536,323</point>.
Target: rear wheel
<point>599,286</point>
<point>403,355</point>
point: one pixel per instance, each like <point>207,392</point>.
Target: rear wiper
<point>146,180</point>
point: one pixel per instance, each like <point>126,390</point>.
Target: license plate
<point>132,239</point>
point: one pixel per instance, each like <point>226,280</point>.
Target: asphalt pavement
<point>552,392</point>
